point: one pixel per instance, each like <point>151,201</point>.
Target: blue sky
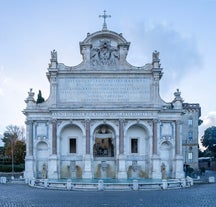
<point>183,31</point>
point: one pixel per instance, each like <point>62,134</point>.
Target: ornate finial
<point>53,60</point>
<point>177,95</point>
<point>155,59</point>
<point>105,16</point>
<point>54,55</point>
<point>177,102</point>
<point>30,97</point>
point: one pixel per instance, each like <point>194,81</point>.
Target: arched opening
<point>137,148</point>
<point>42,159</point>
<point>104,142</point>
<point>166,155</point>
<point>137,140</point>
<point>104,152</point>
<point>71,148</point>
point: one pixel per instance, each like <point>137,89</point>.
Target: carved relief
<point>105,54</point>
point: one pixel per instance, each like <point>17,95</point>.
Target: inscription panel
<point>102,115</point>
<point>104,90</point>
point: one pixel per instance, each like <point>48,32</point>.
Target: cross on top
<point>105,16</point>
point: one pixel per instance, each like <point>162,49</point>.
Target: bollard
<point>183,183</point>
<point>32,182</point>
<point>26,181</point>
<point>3,180</point>
<point>68,186</point>
<point>135,185</point>
<point>100,185</point>
<point>211,179</point>
<point>164,184</point>
<point>45,183</point>
<point>190,181</point>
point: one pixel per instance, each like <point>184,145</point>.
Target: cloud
<point>209,120</point>
<point>4,81</point>
<point>179,54</point>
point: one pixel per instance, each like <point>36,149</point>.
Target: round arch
<point>166,155</point>
<point>107,123</point>
<point>68,123</point>
<point>104,140</point>
<point>142,124</point>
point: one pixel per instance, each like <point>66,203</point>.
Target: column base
<point>156,167</point>
<point>53,167</point>
<point>29,167</point>
<point>179,172</point>
<point>122,174</point>
<point>87,167</point>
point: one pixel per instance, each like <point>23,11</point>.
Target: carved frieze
<point>104,55</point>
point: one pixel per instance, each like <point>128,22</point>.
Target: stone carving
<point>177,95</point>
<point>44,171</point>
<point>134,166</point>
<point>155,56</point>
<point>54,55</point>
<point>163,171</point>
<point>105,54</point>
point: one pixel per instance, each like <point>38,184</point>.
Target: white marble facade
<point>104,118</point>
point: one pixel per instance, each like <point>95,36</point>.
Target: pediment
<point>104,50</point>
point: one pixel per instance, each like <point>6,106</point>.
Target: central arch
<point>104,142</point>
<point>104,151</point>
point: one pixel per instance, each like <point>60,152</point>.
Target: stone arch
<point>108,123</point>
<point>166,155</point>
<point>42,155</point>
<point>137,146</point>
<point>68,132</point>
<point>104,141</point>
<point>66,123</point>
<point>139,132</point>
<point>71,148</point>
<point>104,164</point>
<point>142,124</point>
<point>42,150</point>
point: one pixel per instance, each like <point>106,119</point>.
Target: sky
<point>183,31</point>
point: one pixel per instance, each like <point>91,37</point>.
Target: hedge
<point>8,168</point>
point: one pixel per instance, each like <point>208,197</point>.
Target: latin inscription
<point>102,114</point>
<point>104,90</point>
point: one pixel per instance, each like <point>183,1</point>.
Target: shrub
<point>8,168</point>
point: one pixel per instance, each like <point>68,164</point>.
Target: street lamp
<point>185,163</point>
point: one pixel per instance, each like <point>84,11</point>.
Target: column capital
<point>53,121</point>
<point>29,122</point>
<point>155,121</point>
<point>178,122</point>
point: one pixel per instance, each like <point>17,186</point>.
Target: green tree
<point>11,136</point>
<point>19,151</point>
<point>205,153</point>
<point>40,99</point>
<point>209,139</point>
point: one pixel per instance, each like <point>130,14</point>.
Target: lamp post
<point>12,158</point>
<point>185,163</point>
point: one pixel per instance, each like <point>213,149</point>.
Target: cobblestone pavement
<point>17,195</point>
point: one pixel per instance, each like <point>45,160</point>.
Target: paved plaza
<point>18,195</point>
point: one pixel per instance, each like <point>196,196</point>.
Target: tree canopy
<point>40,99</point>
<point>14,144</point>
<point>209,139</point>
<point>12,134</point>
